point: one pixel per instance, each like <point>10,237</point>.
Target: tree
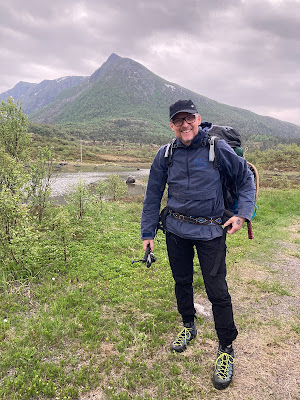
<point>116,187</point>
<point>12,173</point>
<point>14,142</point>
<point>13,223</point>
<point>79,198</point>
<point>14,138</point>
<point>100,192</point>
<point>39,187</point>
<point>63,230</point>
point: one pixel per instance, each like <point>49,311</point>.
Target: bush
<point>116,187</point>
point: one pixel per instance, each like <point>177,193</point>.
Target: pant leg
<point>217,290</point>
<point>181,255</point>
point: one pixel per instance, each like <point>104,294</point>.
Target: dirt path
<point>267,348</point>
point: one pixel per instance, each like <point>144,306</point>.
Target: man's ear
<point>199,119</point>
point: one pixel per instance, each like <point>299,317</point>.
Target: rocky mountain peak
<point>112,61</point>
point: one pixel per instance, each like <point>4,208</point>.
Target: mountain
<point>18,91</point>
<point>34,96</point>
<point>123,100</point>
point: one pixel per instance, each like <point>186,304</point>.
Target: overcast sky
<point>244,53</point>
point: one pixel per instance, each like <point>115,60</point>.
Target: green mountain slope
<point>124,100</point>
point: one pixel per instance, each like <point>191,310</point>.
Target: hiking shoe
<point>188,333</point>
<point>223,367</point>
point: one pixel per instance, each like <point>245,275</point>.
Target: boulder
<point>130,179</point>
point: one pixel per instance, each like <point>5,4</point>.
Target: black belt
<point>209,221</point>
<point>197,220</point>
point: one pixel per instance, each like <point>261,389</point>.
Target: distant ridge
<point>34,96</point>
<point>124,100</point>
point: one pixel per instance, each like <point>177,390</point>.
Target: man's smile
<point>185,130</point>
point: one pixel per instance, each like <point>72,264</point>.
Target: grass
<point>102,326</point>
<point>270,287</point>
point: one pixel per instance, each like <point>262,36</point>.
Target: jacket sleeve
<point>153,195</point>
<point>237,172</point>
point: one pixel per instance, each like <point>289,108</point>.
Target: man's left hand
<point>236,224</point>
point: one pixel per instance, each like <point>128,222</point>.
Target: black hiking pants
<point>181,255</point>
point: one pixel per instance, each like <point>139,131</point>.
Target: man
<point>194,191</point>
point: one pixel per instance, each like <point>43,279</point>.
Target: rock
<point>201,310</point>
<point>130,179</point>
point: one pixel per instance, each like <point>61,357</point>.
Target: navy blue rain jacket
<point>195,188</point>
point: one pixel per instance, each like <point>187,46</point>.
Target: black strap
<point>162,219</point>
<point>197,220</point>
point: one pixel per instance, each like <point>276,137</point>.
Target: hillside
<point>34,96</point>
<point>123,100</point>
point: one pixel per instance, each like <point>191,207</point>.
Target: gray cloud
<point>246,54</point>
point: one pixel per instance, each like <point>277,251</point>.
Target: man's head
<point>184,120</point>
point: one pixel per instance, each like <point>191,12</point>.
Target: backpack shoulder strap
<point>213,153</point>
<point>168,158</point>
<point>169,151</point>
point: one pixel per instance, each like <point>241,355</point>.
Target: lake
<point>63,182</point>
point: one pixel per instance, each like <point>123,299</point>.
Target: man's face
<point>188,130</point>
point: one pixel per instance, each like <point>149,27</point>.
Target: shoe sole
<point>220,386</point>
<point>179,350</point>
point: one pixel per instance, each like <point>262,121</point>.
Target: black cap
<point>182,106</point>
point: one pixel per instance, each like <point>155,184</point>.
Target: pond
<point>63,182</point>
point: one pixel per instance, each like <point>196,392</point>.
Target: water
<point>63,183</point>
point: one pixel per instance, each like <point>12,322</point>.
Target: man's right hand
<point>148,241</point>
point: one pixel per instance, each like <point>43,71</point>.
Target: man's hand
<point>146,242</point>
<point>236,224</point>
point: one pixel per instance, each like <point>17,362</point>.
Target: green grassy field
<point>99,327</point>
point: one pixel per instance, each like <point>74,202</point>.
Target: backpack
<point>230,194</point>
<point>233,138</point>
<point>229,134</point>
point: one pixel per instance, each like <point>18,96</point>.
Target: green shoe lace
<point>223,369</point>
<point>224,366</point>
<point>183,338</point>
